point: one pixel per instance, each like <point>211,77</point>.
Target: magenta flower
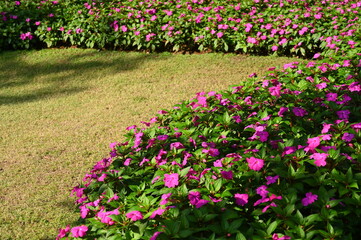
<point>263,135</point>
<point>275,91</point>
<point>79,231</point>
<point>63,232</point>
<point>220,34</point>
<point>241,199</point>
<point>134,215</point>
<point>155,235</point>
<point>212,152</point>
<point>332,97</point>
<point>165,198</point>
<point>159,212</point>
<point>320,159</point>
<point>255,164</point>
<point>310,198</point>
<point>282,111</point>
<point>262,191</point>
<point>227,174</point>
<point>271,179</point>
<point>201,203</point>
<point>343,114</point>
<point>276,237</point>
<point>347,137</point>
<point>321,86</point>
<point>316,55</point>
<point>218,163</point>
<point>326,127</point>
<point>176,145</point>
<point>299,112</point>
<point>289,150</point>
<point>194,197</point>
<point>162,137</point>
<point>104,216</point>
<point>313,142</point>
<point>171,180</point>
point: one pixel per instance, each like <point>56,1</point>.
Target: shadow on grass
<point>26,77</point>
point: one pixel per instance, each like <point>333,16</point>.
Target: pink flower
<point>275,237</point>
<point>171,180</point>
<point>343,114</point>
<point>134,215</point>
<point>326,127</point>
<point>218,163</point>
<point>316,55</point>
<point>321,86</point>
<point>79,231</point>
<point>332,97</point>
<point>299,112</point>
<point>255,164</point>
<point>162,137</point>
<point>212,152</point>
<point>104,216</point>
<point>282,111</point>
<point>227,174</point>
<point>252,40</point>
<point>165,198</point>
<point>275,91</point>
<point>320,159</point>
<point>194,197</point>
<point>347,137</point>
<point>262,191</point>
<point>155,235</point>
<point>271,179</point>
<point>201,203</point>
<point>220,34</point>
<point>241,199</point>
<point>310,198</point>
<point>159,212</point>
<point>176,145</point>
<point>313,142</point>
<point>63,232</point>
<point>274,48</point>
<point>124,28</point>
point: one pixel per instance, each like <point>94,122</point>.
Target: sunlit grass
<point>59,110</point>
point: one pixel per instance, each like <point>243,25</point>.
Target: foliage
<point>258,27</point>
<point>276,158</point>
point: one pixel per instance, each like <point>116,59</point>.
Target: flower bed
<point>299,28</point>
<point>276,158</point>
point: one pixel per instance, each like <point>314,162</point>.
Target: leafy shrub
<point>257,27</point>
<point>276,158</point>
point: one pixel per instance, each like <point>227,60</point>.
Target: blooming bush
<point>276,158</point>
<point>280,27</point>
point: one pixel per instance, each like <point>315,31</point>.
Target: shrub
<point>299,28</point>
<point>276,158</point>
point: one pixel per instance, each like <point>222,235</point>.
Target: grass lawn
<point>60,108</point>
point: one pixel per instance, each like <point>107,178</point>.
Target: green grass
<point>60,108</point>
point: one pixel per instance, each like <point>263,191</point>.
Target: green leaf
<point>184,171</point>
<point>272,227</point>
<point>185,233</point>
<point>218,185</point>
<point>330,228</point>
<point>233,227</point>
<point>240,236</point>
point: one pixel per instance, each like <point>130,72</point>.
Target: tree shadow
<point>25,78</point>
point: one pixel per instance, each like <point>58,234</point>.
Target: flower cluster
<point>282,27</point>
<point>277,158</point>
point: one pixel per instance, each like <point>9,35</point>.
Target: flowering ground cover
<point>59,109</point>
<point>274,158</point>
<point>277,157</point>
<point>288,27</point>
